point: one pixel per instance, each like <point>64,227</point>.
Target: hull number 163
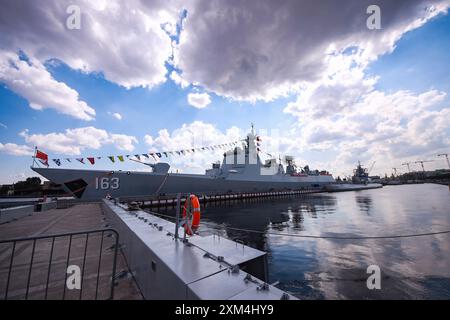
<point>106,183</point>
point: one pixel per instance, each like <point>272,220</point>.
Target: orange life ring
<point>191,213</point>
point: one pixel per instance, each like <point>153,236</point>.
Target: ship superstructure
<point>360,175</point>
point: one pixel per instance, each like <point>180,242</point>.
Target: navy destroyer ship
<point>359,181</point>
<point>360,175</point>
<point>241,171</point>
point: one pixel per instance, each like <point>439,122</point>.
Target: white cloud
<point>199,100</point>
<point>116,115</point>
<point>387,128</point>
<point>31,80</point>
<point>176,77</point>
<point>16,150</point>
<point>74,141</point>
<point>196,134</point>
<point>148,139</point>
<point>4,126</point>
<point>261,50</point>
<point>336,91</point>
<point>123,142</point>
<point>123,40</point>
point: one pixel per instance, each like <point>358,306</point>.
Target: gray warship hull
<point>241,171</point>
<point>97,184</point>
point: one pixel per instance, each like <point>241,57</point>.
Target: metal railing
<point>75,265</point>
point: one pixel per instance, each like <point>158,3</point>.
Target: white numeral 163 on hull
<point>105,183</point>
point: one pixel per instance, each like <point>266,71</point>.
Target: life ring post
<point>191,215</point>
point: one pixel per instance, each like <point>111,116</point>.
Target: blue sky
<point>419,61</point>
<point>409,76</point>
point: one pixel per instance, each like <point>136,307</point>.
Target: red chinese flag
<point>91,160</point>
<point>42,156</point>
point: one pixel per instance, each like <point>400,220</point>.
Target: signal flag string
<point>43,157</point>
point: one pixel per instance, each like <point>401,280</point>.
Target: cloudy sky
<point>140,76</point>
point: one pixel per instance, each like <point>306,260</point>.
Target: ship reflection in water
<point>411,268</point>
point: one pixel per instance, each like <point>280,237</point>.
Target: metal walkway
<point>41,245</point>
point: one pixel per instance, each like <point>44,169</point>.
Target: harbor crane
<point>395,171</point>
<point>371,167</point>
<point>422,162</point>
<point>407,164</point>
<point>446,157</point>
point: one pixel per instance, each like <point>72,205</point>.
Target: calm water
<point>411,268</point>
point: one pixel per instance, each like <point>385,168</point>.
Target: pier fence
<point>47,266</point>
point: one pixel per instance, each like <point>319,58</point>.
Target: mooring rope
<point>162,184</point>
<point>411,235</point>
